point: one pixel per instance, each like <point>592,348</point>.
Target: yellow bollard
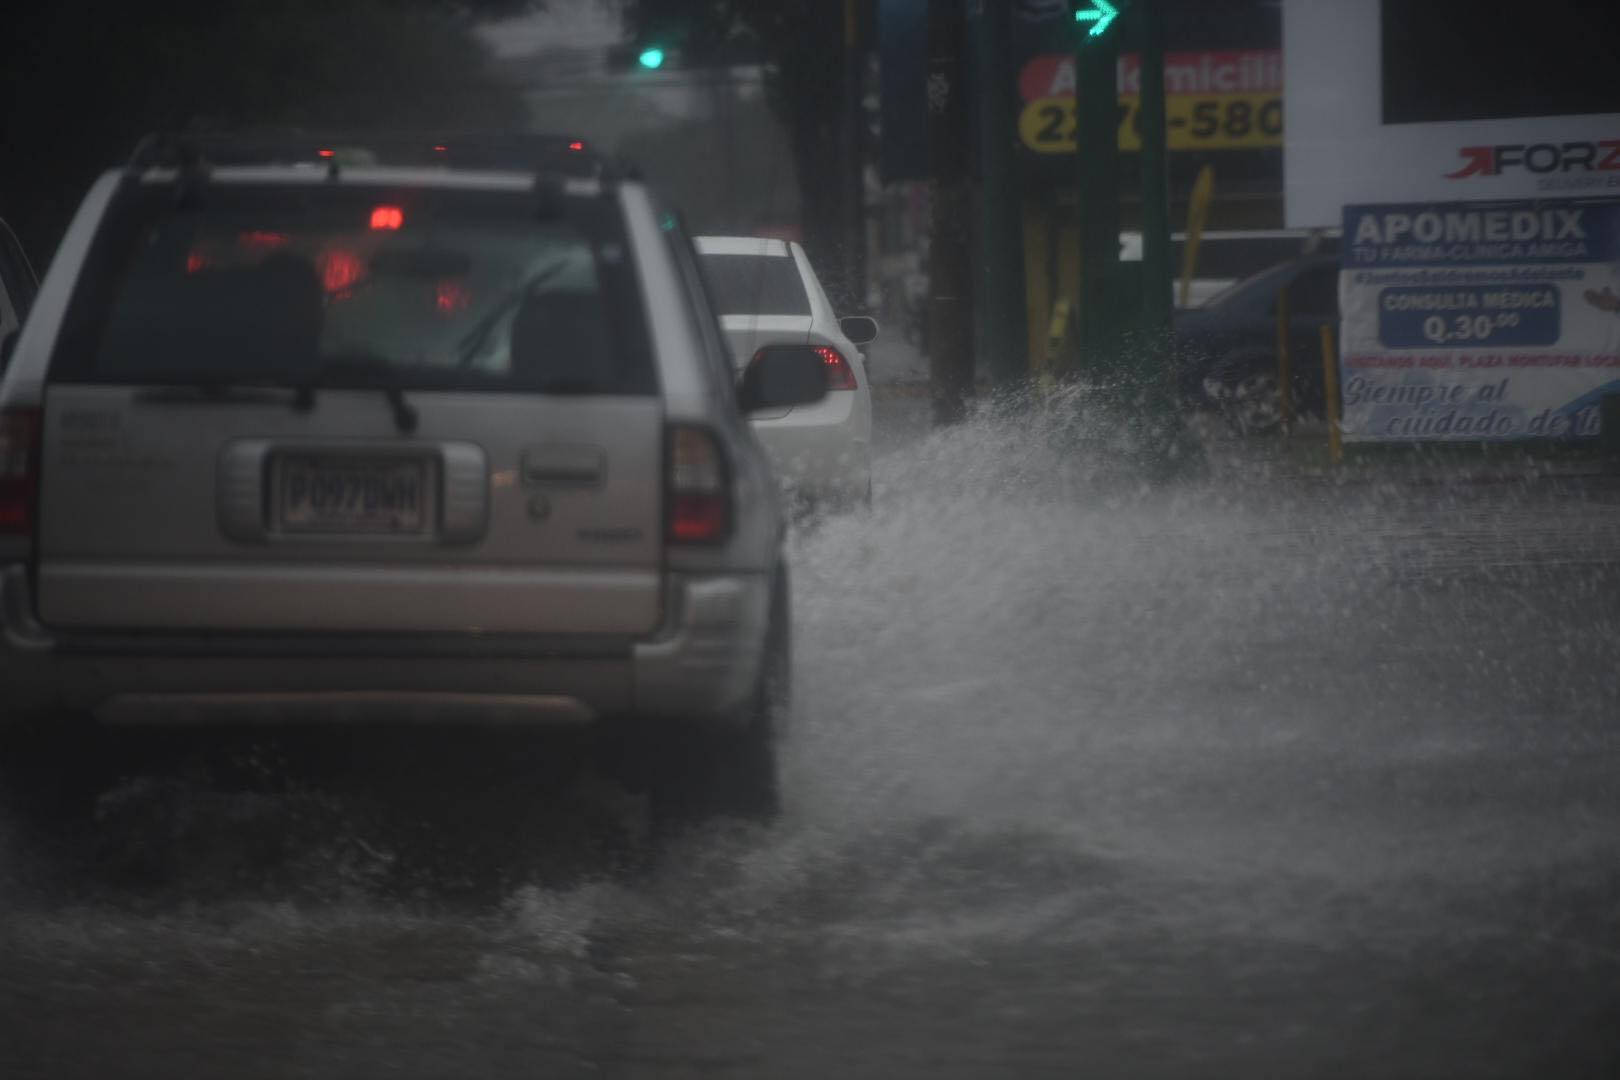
<point>1056,333</point>
<point>1285,369</point>
<point>1203,190</point>
<point>1330,390</point>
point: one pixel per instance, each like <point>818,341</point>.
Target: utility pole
<point>1001,271</point>
<point>950,308</point>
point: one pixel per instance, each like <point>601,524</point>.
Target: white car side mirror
<point>860,329</point>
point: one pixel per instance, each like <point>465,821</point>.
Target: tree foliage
<point>84,81</point>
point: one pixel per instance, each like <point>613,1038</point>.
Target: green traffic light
<point>1099,13</point>
<point>651,58</point>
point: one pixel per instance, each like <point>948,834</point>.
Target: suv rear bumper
<point>702,664</point>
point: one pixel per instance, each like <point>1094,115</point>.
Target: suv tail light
<point>19,463</point>
<point>699,496</point>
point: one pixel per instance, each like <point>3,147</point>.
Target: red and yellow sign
<point>1213,101</point>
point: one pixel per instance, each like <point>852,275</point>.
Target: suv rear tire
<point>705,770</point>
<point>51,774</point>
<point>699,769</point>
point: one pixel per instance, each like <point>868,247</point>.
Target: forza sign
<point>1540,158</point>
<point>1341,145</point>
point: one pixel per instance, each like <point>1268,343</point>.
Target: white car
<point>767,294</point>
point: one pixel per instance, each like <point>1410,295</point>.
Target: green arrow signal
<point>1101,14</point>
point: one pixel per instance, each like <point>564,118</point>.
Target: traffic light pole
<point>1097,138</point>
<point>1138,382</point>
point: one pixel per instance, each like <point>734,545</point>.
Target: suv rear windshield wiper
<point>473,342</point>
<point>215,391</point>
<point>361,370</point>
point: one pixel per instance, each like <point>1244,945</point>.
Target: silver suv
<point>306,444</point>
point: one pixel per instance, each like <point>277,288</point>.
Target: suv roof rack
<point>563,155</point>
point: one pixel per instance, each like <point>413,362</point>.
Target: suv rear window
<point>756,284</point>
<point>431,289</point>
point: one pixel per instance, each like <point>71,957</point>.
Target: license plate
<point>322,494</point>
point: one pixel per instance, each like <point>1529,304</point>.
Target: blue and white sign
<point>1470,321</point>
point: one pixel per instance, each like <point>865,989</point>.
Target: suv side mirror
<point>860,329</point>
<point>782,376</point>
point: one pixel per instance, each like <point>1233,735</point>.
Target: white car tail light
<point>840,375</point>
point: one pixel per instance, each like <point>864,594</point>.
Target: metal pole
<point>1097,176</point>
<point>950,309</point>
<point>1203,190</point>
<point>1156,282</point>
<point>1001,263</point>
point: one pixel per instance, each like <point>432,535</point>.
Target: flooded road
<point>1083,779</point>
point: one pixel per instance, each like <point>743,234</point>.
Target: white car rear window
<point>755,284</point>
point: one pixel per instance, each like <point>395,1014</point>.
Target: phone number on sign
<point>1192,122</point>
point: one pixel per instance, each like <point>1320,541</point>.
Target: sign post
<point>1330,389</point>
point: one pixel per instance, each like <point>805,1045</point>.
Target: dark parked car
<point>1227,349</point>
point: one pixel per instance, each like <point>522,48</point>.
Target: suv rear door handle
<point>563,466</point>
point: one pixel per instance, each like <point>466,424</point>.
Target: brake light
<point>699,488</point>
<point>840,376</point>
<point>19,460</point>
<point>340,271</point>
<point>261,240</point>
<point>450,297</point>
